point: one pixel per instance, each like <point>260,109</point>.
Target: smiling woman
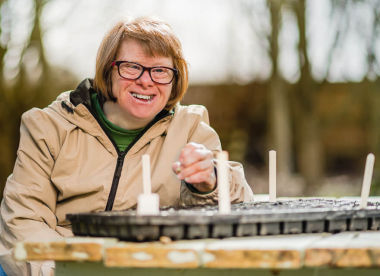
<point>83,152</point>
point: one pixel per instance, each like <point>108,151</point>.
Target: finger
<point>203,165</point>
<point>188,149</point>
<point>196,156</point>
<point>201,177</point>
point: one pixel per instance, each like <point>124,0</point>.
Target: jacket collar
<point>82,94</point>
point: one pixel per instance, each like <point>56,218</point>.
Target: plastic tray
<point>246,219</point>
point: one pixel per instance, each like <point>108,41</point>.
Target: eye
<point>160,70</point>
<point>131,66</point>
<point>134,66</point>
<point>130,70</point>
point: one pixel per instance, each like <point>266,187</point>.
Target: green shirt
<point>121,136</point>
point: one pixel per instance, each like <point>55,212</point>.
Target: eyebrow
<point>153,64</point>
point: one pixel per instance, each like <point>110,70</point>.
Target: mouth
<point>143,98</point>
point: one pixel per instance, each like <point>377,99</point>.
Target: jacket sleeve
<point>202,133</point>
<point>28,206</point>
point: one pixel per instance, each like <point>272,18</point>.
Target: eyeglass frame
<point>145,68</point>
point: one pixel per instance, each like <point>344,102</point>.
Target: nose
<point>145,80</point>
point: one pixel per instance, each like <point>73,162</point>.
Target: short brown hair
<point>156,38</point>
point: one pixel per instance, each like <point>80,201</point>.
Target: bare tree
<point>309,153</point>
<point>373,85</point>
<point>32,87</point>
<point>279,116</point>
<point>279,123</point>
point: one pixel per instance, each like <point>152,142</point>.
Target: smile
<point>142,97</point>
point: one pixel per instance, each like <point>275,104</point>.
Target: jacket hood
<point>82,94</point>
<point>74,106</point>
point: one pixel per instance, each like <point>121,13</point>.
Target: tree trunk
<point>309,152</point>
<point>279,118</point>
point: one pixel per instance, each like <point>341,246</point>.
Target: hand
<point>196,167</point>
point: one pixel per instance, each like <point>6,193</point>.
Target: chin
<point>145,113</point>
<point>143,117</point>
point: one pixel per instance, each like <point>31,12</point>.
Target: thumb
<point>176,167</point>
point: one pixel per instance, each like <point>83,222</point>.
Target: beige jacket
<point>66,164</point>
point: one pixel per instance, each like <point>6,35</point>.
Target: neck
<point>119,118</point>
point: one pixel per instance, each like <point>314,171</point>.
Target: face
<point>130,107</point>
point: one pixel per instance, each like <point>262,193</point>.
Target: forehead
<point>133,50</point>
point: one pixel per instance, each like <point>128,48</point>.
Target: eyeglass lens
<point>133,71</point>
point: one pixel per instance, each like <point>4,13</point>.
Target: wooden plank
<point>98,269</point>
<point>182,254</point>
<point>275,252</point>
<point>69,249</point>
<point>355,249</point>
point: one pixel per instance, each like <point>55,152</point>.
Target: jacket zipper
<point>115,181</point>
<point>121,156</point>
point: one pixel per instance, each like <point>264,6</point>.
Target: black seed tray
<point>246,219</point>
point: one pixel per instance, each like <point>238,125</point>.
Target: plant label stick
<point>148,204</point>
<point>272,176</point>
<point>367,180</point>
<point>223,184</point>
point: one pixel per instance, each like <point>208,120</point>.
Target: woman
<point>82,153</point>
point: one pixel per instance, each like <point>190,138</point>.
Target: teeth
<point>139,96</point>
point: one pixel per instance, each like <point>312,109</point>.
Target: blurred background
<point>299,77</point>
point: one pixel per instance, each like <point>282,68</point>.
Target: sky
<point>221,40</point>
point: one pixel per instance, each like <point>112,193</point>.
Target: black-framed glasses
<point>132,71</point>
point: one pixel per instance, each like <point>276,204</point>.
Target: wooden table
<point>308,254</point>
<point>346,254</point>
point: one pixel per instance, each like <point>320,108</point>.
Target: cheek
<point>119,86</point>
